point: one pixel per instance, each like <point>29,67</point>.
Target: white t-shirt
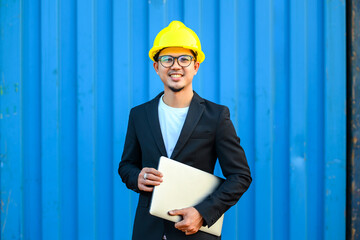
<point>171,122</point>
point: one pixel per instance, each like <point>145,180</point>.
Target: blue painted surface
<point>334,112</point>
<point>71,71</point>
<point>31,123</point>
<point>10,123</point>
<point>297,119</point>
<point>263,129</point>
<point>68,119</point>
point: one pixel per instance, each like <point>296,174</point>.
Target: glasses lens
<point>166,61</point>
<point>185,60</point>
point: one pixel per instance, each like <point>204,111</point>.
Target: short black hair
<point>156,56</point>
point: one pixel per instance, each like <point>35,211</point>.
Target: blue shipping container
<point>71,70</point>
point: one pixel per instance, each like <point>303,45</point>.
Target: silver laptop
<point>183,186</point>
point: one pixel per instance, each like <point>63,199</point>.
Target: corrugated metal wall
<point>71,71</point>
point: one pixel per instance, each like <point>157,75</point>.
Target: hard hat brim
<point>200,57</point>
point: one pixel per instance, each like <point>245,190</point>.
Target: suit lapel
<point>196,109</point>
<point>153,118</point>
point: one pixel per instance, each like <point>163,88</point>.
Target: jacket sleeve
<point>234,167</point>
<point>130,164</point>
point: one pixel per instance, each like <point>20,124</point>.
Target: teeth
<point>176,75</point>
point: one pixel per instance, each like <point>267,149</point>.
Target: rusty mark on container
<point>353,186</point>
<point>353,232</point>
<point>353,56</point>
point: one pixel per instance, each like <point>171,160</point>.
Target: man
<point>181,125</point>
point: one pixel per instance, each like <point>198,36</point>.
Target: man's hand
<point>148,178</point>
<point>192,220</point>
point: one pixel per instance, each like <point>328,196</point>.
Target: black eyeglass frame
<point>177,59</point>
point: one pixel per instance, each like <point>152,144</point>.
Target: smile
<point>176,75</point>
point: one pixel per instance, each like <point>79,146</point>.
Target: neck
<point>178,99</point>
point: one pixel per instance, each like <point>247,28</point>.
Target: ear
<point>156,67</point>
<point>196,67</point>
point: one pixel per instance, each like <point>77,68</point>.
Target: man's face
<point>176,78</point>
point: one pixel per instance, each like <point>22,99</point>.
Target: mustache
<point>176,72</point>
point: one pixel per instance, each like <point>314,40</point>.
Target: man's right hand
<point>148,178</point>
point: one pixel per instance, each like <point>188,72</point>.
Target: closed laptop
<point>183,186</point>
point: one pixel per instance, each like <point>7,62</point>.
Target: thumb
<point>176,212</point>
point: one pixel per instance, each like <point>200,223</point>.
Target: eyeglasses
<point>168,61</point>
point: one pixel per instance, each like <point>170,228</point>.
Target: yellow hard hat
<point>177,35</point>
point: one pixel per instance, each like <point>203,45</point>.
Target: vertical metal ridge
<point>253,117</point>
<point>280,69</point>
<point>314,128</point>
<point>263,153</point>
<point>287,115</point>
<point>147,74</point>
<point>130,58</point>
<point>50,120</point>
<point>334,120</point>
<point>76,118</point>
<point>217,44</point>
<point>306,112</point>
<point>322,99</point>
<point>236,89</point>
<point>21,31</point>
<point>103,170</point>
<point>322,103</point>
<point>111,98</point>
<point>94,113</point>
<point>40,120</point>
<point>58,111</point>
<point>236,73</point>
<point>68,118</point>
<point>182,13</point>
<point>271,113</point>
<point>85,111</point>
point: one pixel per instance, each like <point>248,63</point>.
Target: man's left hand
<point>191,222</point>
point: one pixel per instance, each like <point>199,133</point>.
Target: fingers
<point>149,177</point>
<point>176,212</point>
<point>192,220</point>
<point>187,227</point>
<point>182,225</point>
<point>152,171</point>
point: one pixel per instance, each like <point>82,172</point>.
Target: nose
<point>176,64</point>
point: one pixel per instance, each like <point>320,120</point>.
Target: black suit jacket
<point>207,135</point>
